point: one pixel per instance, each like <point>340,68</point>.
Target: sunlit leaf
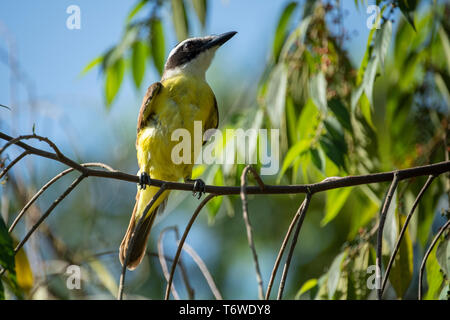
<point>281,31</point>
<point>179,19</point>
<point>92,64</point>
<point>157,44</point>
<point>23,271</point>
<point>369,78</point>
<point>434,277</point>
<point>113,80</point>
<point>382,41</point>
<point>135,10</point>
<point>318,91</point>
<point>308,285</point>
<point>357,285</point>
<point>138,57</point>
<point>334,274</point>
<point>276,95</point>
<point>335,201</point>
<point>295,151</point>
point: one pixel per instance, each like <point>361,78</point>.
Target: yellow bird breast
<point>181,101</point>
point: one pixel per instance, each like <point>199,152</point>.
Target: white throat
<point>195,68</point>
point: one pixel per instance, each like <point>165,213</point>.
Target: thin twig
<point>402,232</point>
<point>430,248</point>
<point>293,244</point>
<point>32,136</point>
<point>12,163</point>
<point>248,227</point>
<point>383,214</point>
<point>49,210</point>
<point>163,263</point>
<point>281,251</point>
<point>204,269</point>
<point>133,237</point>
<point>47,185</point>
<point>183,239</point>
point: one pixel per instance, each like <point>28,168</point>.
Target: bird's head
<point>194,55</point>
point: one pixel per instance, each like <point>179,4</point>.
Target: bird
<point>181,97</point>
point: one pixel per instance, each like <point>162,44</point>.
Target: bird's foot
<point>199,187</point>
<point>144,180</point>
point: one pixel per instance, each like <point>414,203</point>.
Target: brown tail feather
<point>137,251</point>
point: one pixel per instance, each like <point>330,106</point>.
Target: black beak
<point>219,40</point>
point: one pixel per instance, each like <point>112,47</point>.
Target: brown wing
<point>213,121</point>
<point>146,108</point>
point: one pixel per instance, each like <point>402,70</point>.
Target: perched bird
<point>180,98</point>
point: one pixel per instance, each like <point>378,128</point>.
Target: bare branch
<point>202,266</point>
<point>402,232</point>
<point>383,214</point>
<point>47,185</point>
<point>49,210</point>
<point>302,214</point>
<point>183,239</point>
<point>32,136</point>
<point>425,258</point>
<point>12,163</point>
<point>281,251</point>
<point>248,227</point>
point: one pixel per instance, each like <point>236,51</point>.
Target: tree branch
<point>383,215</point>
<point>248,225</point>
<point>402,232</point>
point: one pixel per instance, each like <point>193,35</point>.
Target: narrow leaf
<point>281,31</point>
<point>113,80</point>
<point>138,62</point>
<point>336,199</point>
<point>200,7</point>
<point>334,274</point>
<point>179,18</point>
<point>157,44</point>
<point>318,91</point>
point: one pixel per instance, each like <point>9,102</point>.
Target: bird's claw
<point>144,180</point>
<point>199,187</point>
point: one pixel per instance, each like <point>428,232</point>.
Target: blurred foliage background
<point>339,114</point>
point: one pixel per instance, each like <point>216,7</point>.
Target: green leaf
<point>281,31</point>
<point>333,152</point>
<point>357,269</point>
<point>308,121</point>
<point>91,64</point>
<point>276,95</point>
<point>308,285</point>
<point>157,45</point>
<point>318,159</point>
<point>382,41</point>
<point>443,256</point>
<point>138,62</point>
<point>445,46</point>
<point>179,18</point>
<point>341,113</point>
<point>334,274</point>
<point>318,91</point>
<point>293,153</point>
<point>407,8</point>
<point>335,201</point>
<point>366,110</point>
<point>6,248</point>
<point>113,80</point>
<point>435,278</point>
<point>200,7</point>
<point>135,10</point>
<point>369,77</point>
<point>402,268</point>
